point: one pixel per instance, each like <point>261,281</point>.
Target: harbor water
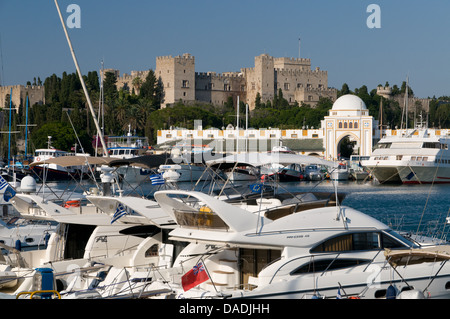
<point>413,208</point>
<point>404,207</point>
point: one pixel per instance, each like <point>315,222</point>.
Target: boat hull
<point>424,174</point>
<point>385,174</point>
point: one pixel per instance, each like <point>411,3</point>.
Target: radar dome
<point>28,184</point>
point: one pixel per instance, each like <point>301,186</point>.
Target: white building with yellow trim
<point>349,117</point>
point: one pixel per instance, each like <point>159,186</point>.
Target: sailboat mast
<point>9,134</point>
<point>26,127</point>
<point>406,97</point>
<point>91,108</point>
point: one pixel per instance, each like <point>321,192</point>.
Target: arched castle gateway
<point>349,117</point>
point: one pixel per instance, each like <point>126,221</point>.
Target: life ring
<point>38,159</point>
<point>72,203</point>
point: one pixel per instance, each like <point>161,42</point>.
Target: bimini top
<point>259,159</point>
<point>417,256</point>
<point>66,161</point>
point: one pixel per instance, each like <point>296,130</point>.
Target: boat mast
<point>237,125</point>
<point>91,108</point>
<point>406,106</point>
<point>9,135</point>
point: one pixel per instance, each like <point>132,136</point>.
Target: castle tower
<point>260,79</point>
<point>177,75</point>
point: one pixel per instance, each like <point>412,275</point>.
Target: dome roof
<point>349,102</point>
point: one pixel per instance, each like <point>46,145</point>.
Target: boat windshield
<point>398,237</point>
<point>203,218</point>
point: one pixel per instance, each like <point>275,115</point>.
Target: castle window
<point>340,124</point>
<point>185,83</point>
<point>286,86</point>
<point>356,124</point>
<point>350,125</point>
<point>345,124</point>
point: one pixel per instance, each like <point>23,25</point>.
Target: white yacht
<point>313,253</point>
<point>415,158</point>
<point>126,147</point>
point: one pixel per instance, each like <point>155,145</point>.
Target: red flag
<point>194,277</point>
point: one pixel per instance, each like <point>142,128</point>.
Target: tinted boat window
<point>328,264</point>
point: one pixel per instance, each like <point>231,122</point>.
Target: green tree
<point>344,90</point>
<point>109,87</point>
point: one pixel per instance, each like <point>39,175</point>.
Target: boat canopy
<point>66,161</point>
<point>417,255</point>
<point>259,159</point>
<point>145,161</point>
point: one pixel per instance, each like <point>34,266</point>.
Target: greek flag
<point>120,211</point>
<point>9,192</point>
<point>157,179</point>
<point>3,183</point>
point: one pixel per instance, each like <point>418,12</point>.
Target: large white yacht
<point>313,253</point>
<point>414,158</point>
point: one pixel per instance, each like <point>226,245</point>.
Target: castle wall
<point>293,76</point>
<point>36,95</point>
<point>216,88</point>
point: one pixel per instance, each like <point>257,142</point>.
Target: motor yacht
<point>416,157</point>
<point>313,253</point>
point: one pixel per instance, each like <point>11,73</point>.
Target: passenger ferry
<point>415,158</point>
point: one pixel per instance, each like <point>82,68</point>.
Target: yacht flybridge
<point>313,253</point>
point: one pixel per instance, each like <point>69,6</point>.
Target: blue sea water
<point>412,208</point>
<point>404,207</point>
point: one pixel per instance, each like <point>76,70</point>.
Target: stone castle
<point>36,94</point>
<point>294,76</point>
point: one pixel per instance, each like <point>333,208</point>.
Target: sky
<point>412,40</point>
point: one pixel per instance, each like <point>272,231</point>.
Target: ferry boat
<point>415,158</point>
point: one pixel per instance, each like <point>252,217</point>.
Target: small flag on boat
<point>120,211</point>
<point>9,192</point>
<point>194,277</point>
<point>157,179</point>
<point>3,183</point>
<point>255,188</point>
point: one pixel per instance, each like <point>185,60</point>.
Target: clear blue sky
<point>226,36</point>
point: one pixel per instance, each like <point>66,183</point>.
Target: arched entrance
<point>348,145</point>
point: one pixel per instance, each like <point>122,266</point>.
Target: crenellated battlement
<point>218,76</point>
<point>297,72</point>
<point>185,56</point>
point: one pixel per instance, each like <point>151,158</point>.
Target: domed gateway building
<point>349,122</point>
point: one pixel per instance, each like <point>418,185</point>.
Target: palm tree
<point>137,83</point>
